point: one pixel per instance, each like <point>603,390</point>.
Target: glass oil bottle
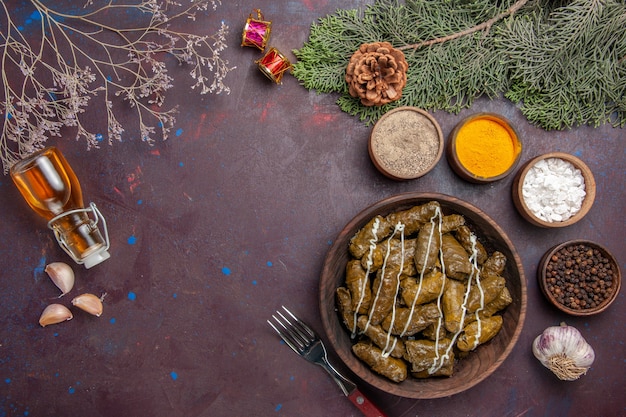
<point>51,189</point>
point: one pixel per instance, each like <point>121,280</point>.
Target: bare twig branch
<point>51,75</point>
<point>483,26</point>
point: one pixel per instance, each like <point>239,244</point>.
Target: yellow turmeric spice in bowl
<point>484,148</point>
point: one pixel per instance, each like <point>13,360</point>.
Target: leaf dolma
<point>374,231</point>
<point>479,332</point>
<point>491,286</point>
<point>393,368</point>
<point>382,339</point>
<point>415,217</point>
<point>424,354</point>
<point>433,331</point>
<point>395,257</point>
<point>495,263</point>
<point>431,286</point>
<point>501,302</point>
<point>407,324</point>
<point>455,258</point>
<point>464,236</point>
<point>358,283</point>
<point>344,305</point>
<point>427,247</point>
<point>451,304</point>
<point>384,289</point>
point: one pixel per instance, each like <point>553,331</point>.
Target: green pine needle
<point>562,62</point>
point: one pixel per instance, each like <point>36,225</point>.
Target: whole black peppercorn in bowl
<point>579,277</point>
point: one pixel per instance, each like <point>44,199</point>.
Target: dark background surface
<point>216,228</point>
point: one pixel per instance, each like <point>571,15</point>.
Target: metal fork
<point>306,343</point>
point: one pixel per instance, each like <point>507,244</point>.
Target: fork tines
<point>295,333</point>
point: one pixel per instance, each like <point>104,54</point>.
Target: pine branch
<point>561,61</point>
<point>483,26</point>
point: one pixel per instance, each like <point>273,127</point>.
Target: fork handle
<point>367,407</point>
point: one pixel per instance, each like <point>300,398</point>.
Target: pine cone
<point>377,73</point>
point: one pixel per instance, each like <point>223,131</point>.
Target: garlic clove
<point>89,303</point>
<point>53,314</point>
<point>62,275</point>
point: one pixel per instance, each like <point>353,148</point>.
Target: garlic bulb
<point>62,275</point>
<point>564,351</point>
<point>89,303</point>
<point>53,314</point>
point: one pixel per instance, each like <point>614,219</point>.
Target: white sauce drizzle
<point>423,270</point>
<point>480,288</point>
<point>439,360</point>
<point>369,263</point>
<point>380,285</point>
<point>398,228</point>
<point>390,345</point>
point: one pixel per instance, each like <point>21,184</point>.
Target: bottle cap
<point>96,258</point>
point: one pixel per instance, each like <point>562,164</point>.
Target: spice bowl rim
<point>384,170</point>
<point>541,277</point>
<point>524,210</point>
<point>460,169</point>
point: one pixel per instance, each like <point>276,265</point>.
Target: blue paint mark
<point>278,407</point>
<point>112,320</point>
<point>72,390</point>
<point>179,132</point>
<point>132,240</point>
<point>269,263</point>
<point>226,271</point>
<point>109,78</point>
<point>40,268</point>
<point>181,164</point>
<point>56,374</point>
<point>55,334</point>
<point>139,202</point>
<point>578,153</point>
<point>132,296</point>
<point>99,137</point>
<point>174,375</point>
<point>36,15</point>
<point>8,380</point>
<point>174,295</point>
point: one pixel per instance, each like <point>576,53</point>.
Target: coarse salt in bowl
<point>554,190</point>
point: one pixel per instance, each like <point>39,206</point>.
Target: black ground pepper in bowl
<point>579,277</point>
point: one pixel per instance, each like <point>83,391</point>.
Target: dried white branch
<point>110,53</point>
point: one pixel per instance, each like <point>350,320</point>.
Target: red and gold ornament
<point>274,64</point>
<point>256,32</point>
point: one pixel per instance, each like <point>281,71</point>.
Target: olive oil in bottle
<point>51,189</point>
